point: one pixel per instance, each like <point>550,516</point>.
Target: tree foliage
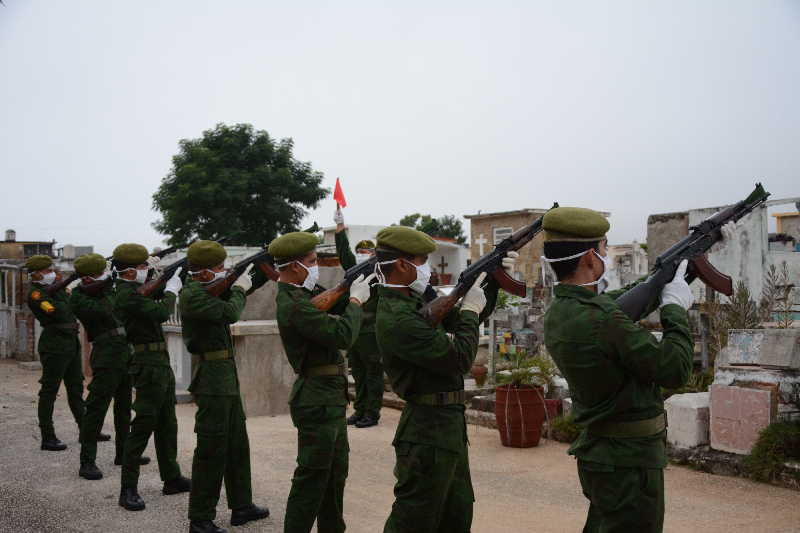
<point>445,226</point>
<point>237,182</point>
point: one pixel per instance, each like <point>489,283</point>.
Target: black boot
<point>247,514</point>
<point>129,499</point>
<point>352,419</point>
<point>177,485</point>
<point>52,444</point>
<point>367,421</point>
<point>103,437</point>
<point>143,460</point>
<point>90,471</point>
<point>205,526</point>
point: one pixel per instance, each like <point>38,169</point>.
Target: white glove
<point>728,231</point>
<point>174,284</point>
<point>475,299</point>
<point>338,217</point>
<point>509,261</point>
<point>245,281</point>
<point>359,289</point>
<point>74,284</point>
<point>677,291</point>
<point>153,261</point>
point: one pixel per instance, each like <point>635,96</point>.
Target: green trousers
<point>223,451</point>
<point>155,415</point>
<point>317,491</point>
<point>107,384</point>
<point>433,493</point>
<point>622,499</point>
<point>58,367</point>
<point>367,371</point>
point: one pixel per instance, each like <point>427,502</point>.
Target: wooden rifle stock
<point>435,311</point>
<point>700,267</point>
<point>325,300</point>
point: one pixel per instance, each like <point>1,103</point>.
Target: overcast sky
<point>446,107</point>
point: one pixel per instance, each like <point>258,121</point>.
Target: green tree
<point>445,226</point>
<point>237,182</point>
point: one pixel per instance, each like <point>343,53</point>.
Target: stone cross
<point>480,241</point>
<point>442,264</point>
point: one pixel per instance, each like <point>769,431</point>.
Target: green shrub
<point>776,444</point>
<point>563,428</point>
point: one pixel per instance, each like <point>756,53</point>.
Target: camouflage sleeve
<point>198,304</point>
<point>346,257</point>
<point>667,363</point>
<point>432,348</point>
<point>327,330</point>
<point>84,306</point>
<point>142,306</point>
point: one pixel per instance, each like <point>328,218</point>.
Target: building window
<point>502,233</point>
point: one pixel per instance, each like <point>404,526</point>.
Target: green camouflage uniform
<point>433,492</point>
<point>60,355</point>
<point>312,340</point>
<point>153,379</point>
<point>615,370</point>
<point>223,448</point>
<point>110,378</point>
<point>364,356</point>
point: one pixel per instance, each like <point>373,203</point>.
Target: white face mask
<point>217,275</point>
<point>311,279</point>
<point>418,285</point>
<point>47,279</point>
<point>601,282</point>
<point>141,275</point>
<point>360,258</point>
<point>101,277</point>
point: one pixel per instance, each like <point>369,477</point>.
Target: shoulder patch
<point>36,295</point>
<point>47,307</point>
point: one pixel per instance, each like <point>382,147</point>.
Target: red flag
<point>338,194</point>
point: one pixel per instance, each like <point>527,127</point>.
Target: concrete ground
<point>516,490</point>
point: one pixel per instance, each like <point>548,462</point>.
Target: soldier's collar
<point>573,291</point>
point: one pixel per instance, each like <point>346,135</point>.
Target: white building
<point>628,263</point>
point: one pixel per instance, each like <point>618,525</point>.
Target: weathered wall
<point>663,231</point>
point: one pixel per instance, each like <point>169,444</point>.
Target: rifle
<point>262,260</point>
<point>325,300</point>
<point>491,263</point>
<point>153,286</point>
<point>693,247</point>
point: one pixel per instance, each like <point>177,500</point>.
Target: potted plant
<point>519,399</point>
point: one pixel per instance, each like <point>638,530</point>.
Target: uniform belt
<point>325,370</point>
<point>630,429</point>
<point>218,355</point>
<point>72,326</point>
<point>149,347</point>
<point>440,398</point>
<point>116,332</point>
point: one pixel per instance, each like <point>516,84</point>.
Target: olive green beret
<point>365,245</point>
<point>38,262</point>
<point>295,244</point>
<point>206,254</point>
<point>407,240</point>
<point>90,265</point>
<point>130,254</point>
<point>576,224</point>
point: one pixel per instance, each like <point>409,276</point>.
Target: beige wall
<point>528,264</point>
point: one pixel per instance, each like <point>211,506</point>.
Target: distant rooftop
<point>528,211</point>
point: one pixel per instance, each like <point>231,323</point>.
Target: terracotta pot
<point>553,407</point>
<point>520,415</point>
<point>479,373</point>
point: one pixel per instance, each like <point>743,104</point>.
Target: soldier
<point>59,348</point>
<point>433,492</point>
<point>223,449</point>
<point>364,357</point>
<point>91,303</point>
<point>312,340</point>
<point>151,375</point>
<point>615,370</point>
